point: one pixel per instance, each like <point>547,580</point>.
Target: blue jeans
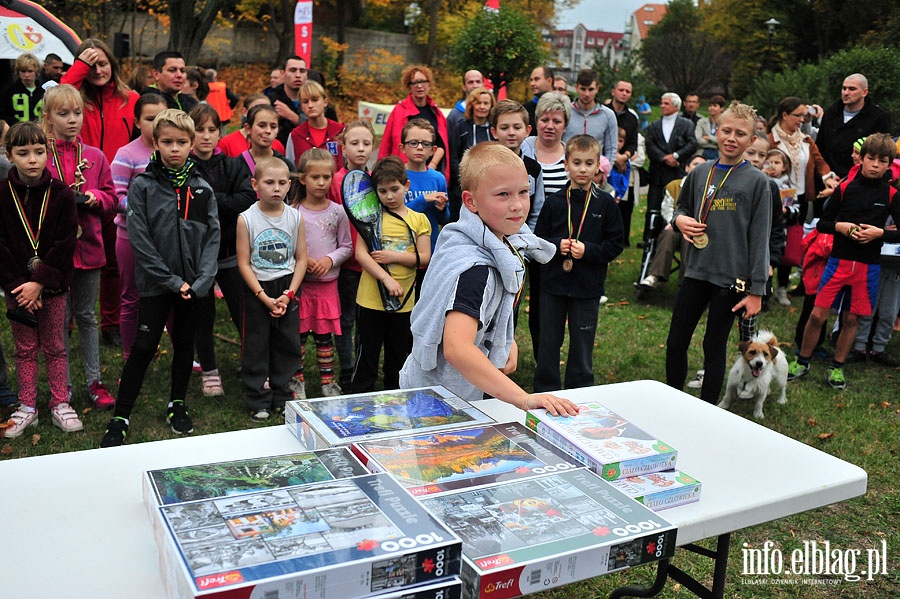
<point>582,316</point>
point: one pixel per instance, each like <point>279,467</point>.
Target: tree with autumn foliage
<point>504,45</point>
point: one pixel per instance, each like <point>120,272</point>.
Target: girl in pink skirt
<point>328,246</point>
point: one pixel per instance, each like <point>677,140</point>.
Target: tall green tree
<point>504,46</point>
<point>681,57</point>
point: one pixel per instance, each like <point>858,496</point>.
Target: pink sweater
<point>327,234</point>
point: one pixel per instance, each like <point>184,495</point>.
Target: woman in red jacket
<point>418,104</point>
<point>108,124</point>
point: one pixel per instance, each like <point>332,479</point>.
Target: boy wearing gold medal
<point>724,211</point>
<point>585,225</point>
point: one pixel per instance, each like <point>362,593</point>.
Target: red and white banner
<point>303,21</point>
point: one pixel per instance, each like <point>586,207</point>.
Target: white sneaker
<point>297,387</point>
<point>649,281</point>
<point>65,418</point>
<point>603,299</point>
<point>21,419</point>
<point>697,383</point>
<point>331,390</point>
<point>781,297</point>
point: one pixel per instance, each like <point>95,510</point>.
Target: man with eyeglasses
<point>852,117</point>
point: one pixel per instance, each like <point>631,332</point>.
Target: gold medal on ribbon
<point>567,264</point>
<point>709,195</point>
<point>34,263</point>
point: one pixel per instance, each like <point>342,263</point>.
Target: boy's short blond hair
<point>508,107</point>
<point>740,111</point>
<point>481,157</point>
<point>271,162</point>
<point>583,143</point>
<point>172,117</point>
<point>313,90</point>
<point>27,62</point>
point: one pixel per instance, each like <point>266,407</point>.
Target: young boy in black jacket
<point>585,225</point>
<point>173,227</point>
<point>855,215</point>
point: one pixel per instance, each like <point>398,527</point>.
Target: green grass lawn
<point>859,424</point>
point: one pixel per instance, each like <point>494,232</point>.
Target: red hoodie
<point>107,125</point>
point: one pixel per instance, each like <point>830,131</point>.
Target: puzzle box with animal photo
<point>464,458</point>
<point>328,421</point>
<point>610,445</point>
<point>337,539</point>
<point>661,490</point>
<point>535,534</point>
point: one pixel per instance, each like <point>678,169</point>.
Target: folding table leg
<point>666,570</point>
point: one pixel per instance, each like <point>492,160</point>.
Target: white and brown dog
<point>760,364</point>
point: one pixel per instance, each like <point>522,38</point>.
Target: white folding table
<point>75,524</point>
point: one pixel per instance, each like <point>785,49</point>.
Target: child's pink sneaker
<point>65,418</point>
<point>21,419</point>
<point>100,396</point>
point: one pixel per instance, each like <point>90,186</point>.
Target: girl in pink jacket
<point>86,171</point>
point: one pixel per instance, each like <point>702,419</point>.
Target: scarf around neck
<point>792,145</point>
<point>177,176</point>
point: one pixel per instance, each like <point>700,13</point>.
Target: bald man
<point>850,118</point>
<point>471,80</point>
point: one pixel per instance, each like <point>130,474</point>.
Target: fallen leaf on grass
<point>662,346</point>
<point>86,410</point>
<point>7,449</point>
<point>793,534</point>
<point>622,303</point>
<point>885,405</point>
<point>792,309</point>
<point>642,317</point>
<point>35,439</point>
<point>840,405</point>
<point>824,436</point>
<point>812,422</point>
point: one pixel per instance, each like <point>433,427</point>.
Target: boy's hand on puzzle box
<point>553,404</point>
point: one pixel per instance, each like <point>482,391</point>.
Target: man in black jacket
<point>670,145</point>
<point>854,116</point>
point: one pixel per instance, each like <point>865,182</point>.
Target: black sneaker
<point>111,337</point>
<point>115,434</point>
<point>884,358</point>
<point>855,357</point>
<point>177,416</point>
